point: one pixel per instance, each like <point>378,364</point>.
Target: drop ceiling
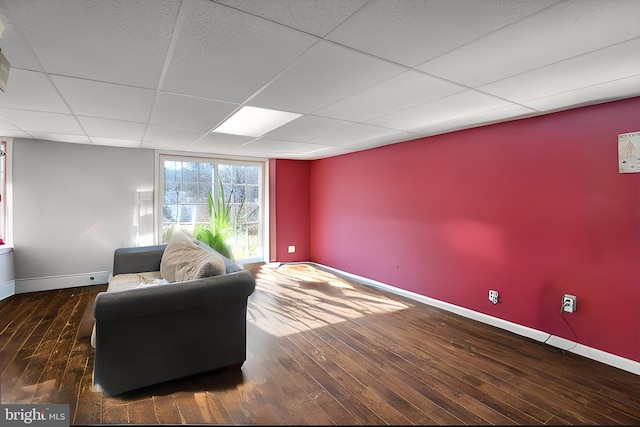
<point>162,74</point>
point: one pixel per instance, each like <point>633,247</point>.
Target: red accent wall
<point>533,208</point>
<point>289,210</point>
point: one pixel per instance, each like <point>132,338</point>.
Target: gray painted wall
<point>74,204</point>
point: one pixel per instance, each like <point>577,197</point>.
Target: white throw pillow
<point>202,263</point>
<point>173,254</point>
<point>184,260</point>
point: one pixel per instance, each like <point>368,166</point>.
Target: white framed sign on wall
<point>629,152</point>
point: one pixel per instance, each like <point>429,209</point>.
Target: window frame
<point>6,193</point>
<point>162,156</point>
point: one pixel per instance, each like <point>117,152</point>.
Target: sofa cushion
<point>121,282</point>
<point>185,260</point>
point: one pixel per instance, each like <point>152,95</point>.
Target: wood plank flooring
<point>321,350</point>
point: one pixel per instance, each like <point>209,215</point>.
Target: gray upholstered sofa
<point>155,331</point>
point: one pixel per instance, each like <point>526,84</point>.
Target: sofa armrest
<point>175,297</point>
<point>137,260</point>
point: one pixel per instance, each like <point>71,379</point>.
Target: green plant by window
<point>221,222</point>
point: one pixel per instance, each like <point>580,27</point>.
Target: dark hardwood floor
<point>321,350</point>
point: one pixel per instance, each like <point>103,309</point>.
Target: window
<point>4,190</point>
<point>185,183</point>
<point>3,180</point>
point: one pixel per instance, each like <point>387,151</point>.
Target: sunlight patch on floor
<point>320,298</point>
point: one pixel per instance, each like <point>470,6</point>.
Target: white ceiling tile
<point>16,48</point>
<point>608,91</point>
<point>509,112</point>
<point>311,16</point>
<point>166,146</point>
<point>570,28</point>
<point>225,54</point>
<point>409,32</point>
<point>30,90</point>
<point>329,152</point>
<point>5,125</point>
<point>111,41</point>
<point>112,128</point>
<point>306,128</point>
<point>355,134</point>
<point>266,146</point>
<point>114,142</point>
<point>397,93</point>
<point>36,121</point>
<point>612,63</point>
<point>164,134</point>
<point>323,75</point>
<point>105,100</point>
<point>15,134</point>
<point>449,108</point>
<point>198,149</point>
<point>74,139</point>
<point>234,153</point>
<point>213,141</point>
<point>303,149</point>
<point>189,112</point>
<point>336,151</point>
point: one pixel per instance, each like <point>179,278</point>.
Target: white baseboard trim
<point>7,289</point>
<point>48,283</point>
<point>544,337</point>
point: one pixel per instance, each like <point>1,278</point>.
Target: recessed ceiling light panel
<point>254,121</point>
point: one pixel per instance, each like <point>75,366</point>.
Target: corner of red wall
<point>289,210</point>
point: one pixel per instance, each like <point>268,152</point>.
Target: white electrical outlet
<point>569,303</point>
<point>493,296</point>
<point>292,249</point>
